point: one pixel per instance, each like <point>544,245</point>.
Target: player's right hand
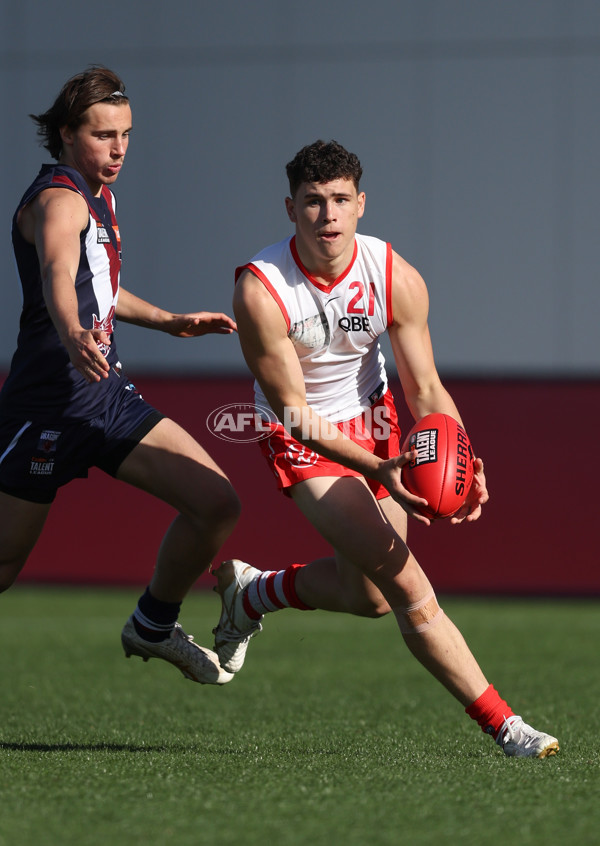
<point>85,355</point>
<point>390,475</point>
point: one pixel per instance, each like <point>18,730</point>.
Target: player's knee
<point>222,509</point>
<point>229,506</point>
<point>371,607</point>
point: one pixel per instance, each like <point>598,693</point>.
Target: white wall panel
<point>476,122</point>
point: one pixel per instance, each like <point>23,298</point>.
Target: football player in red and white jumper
<point>309,312</point>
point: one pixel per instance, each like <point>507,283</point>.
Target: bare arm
<point>411,344</point>
<point>132,309</point>
<point>53,221</point>
<point>272,359</point>
<point>413,354</point>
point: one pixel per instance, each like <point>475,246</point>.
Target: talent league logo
<point>42,464</point>
<point>102,236</point>
<point>241,422</point>
<point>425,443</point>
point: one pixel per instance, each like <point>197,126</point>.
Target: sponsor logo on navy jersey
<point>102,235</point>
<point>105,324</point>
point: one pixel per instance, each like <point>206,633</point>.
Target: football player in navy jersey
<point>67,405</point>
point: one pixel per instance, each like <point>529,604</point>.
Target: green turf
<point>332,734</point>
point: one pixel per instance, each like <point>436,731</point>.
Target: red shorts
<point>376,430</point>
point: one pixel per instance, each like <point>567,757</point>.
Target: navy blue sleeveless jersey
<point>42,382</point>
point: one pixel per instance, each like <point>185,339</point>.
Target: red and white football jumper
<point>334,328</point>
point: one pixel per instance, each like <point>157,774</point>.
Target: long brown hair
<point>95,85</point>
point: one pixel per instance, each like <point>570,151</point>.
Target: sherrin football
<point>442,472</point>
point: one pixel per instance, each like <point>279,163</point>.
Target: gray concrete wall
<point>476,121</point>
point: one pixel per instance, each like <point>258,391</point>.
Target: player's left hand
<point>200,323</point>
<point>478,496</point>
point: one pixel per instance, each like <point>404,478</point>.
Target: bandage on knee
<point>419,616</point>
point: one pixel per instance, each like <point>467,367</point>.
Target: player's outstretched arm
<point>133,309</point>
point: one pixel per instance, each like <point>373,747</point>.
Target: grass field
<point>332,734</point>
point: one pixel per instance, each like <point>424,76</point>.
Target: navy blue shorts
<point>37,458</point>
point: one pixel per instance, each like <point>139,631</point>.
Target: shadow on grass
<point>84,747</point>
<point>172,748</point>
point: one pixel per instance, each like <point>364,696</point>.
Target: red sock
<point>490,711</point>
<point>273,590</point>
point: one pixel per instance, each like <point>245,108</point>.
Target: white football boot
<point>235,627</point>
<point>518,740</point>
<point>195,662</point>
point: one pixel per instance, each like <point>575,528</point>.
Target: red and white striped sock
<point>273,590</point>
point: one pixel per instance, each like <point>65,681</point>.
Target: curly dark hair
<point>95,85</point>
<point>322,162</point>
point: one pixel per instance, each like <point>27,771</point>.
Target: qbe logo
<point>241,422</point>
